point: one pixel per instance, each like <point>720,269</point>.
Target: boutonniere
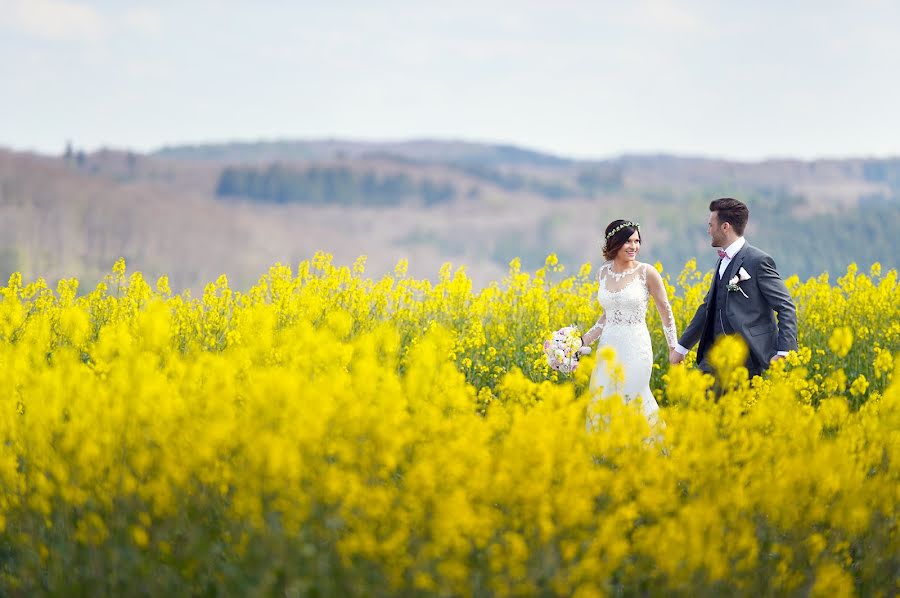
<point>741,276</point>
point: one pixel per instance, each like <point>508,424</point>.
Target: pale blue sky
<point>577,78</point>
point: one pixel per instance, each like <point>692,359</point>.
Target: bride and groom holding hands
<point>745,295</point>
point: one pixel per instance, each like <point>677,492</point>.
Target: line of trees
<point>590,181</point>
<point>330,185</point>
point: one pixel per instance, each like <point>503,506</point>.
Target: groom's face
<point>717,231</point>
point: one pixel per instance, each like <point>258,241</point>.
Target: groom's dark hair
<point>732,211</point>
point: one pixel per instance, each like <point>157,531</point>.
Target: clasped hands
<point>674,356</point>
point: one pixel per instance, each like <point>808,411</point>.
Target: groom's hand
<point>675,357</point>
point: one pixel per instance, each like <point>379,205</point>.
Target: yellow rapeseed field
<point>328,434</point>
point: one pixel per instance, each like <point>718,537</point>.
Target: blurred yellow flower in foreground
<point>327,433</point>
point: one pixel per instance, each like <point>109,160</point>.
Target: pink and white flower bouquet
<point>564,349</point>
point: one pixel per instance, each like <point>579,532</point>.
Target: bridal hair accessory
<point>741,276</point>
<point>564,349</point>
<point>620,227</point>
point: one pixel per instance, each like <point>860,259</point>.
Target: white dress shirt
<point>731,251</point>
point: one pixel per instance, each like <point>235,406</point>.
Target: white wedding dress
<point>625,298</point>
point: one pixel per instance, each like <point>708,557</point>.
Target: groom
<point>745,295</point>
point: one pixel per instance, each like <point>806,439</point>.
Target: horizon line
<point>623,154</point>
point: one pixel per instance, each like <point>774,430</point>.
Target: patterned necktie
<point>722,253</point>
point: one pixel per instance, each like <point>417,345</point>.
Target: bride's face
<point>630,249</point>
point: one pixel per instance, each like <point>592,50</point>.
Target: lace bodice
<point>624,296</point>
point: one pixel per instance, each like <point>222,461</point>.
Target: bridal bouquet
<point>564,349</point>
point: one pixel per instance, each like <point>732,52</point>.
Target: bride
<point>626,286</point>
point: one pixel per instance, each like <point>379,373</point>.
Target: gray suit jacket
<point>753,317</point>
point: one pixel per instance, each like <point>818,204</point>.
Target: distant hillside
<point>194,212</point>
<point>820,181</point>
<point>431,151</point>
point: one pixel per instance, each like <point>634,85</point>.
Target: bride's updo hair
<point>617,232</point>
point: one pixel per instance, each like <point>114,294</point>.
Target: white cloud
<point>56,20</point>
<point>143,20</point>
<point>74,21</point>
<point>669,16</point>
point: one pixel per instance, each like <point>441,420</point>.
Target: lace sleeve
<point>658,291</point>
<point>594,332</point>
<point>668,323</point>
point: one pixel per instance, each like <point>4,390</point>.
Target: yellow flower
<point>836,382</point>
<point>139,536</point>
<point>841,341</point>
<point>608,354</point>
<point>409,431</point>
<point>728,356</point>
<point>884,362</point>
<point>831,580</point>
<point>162,285</point>
<point>359,266</point>
<point>859,386</point>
